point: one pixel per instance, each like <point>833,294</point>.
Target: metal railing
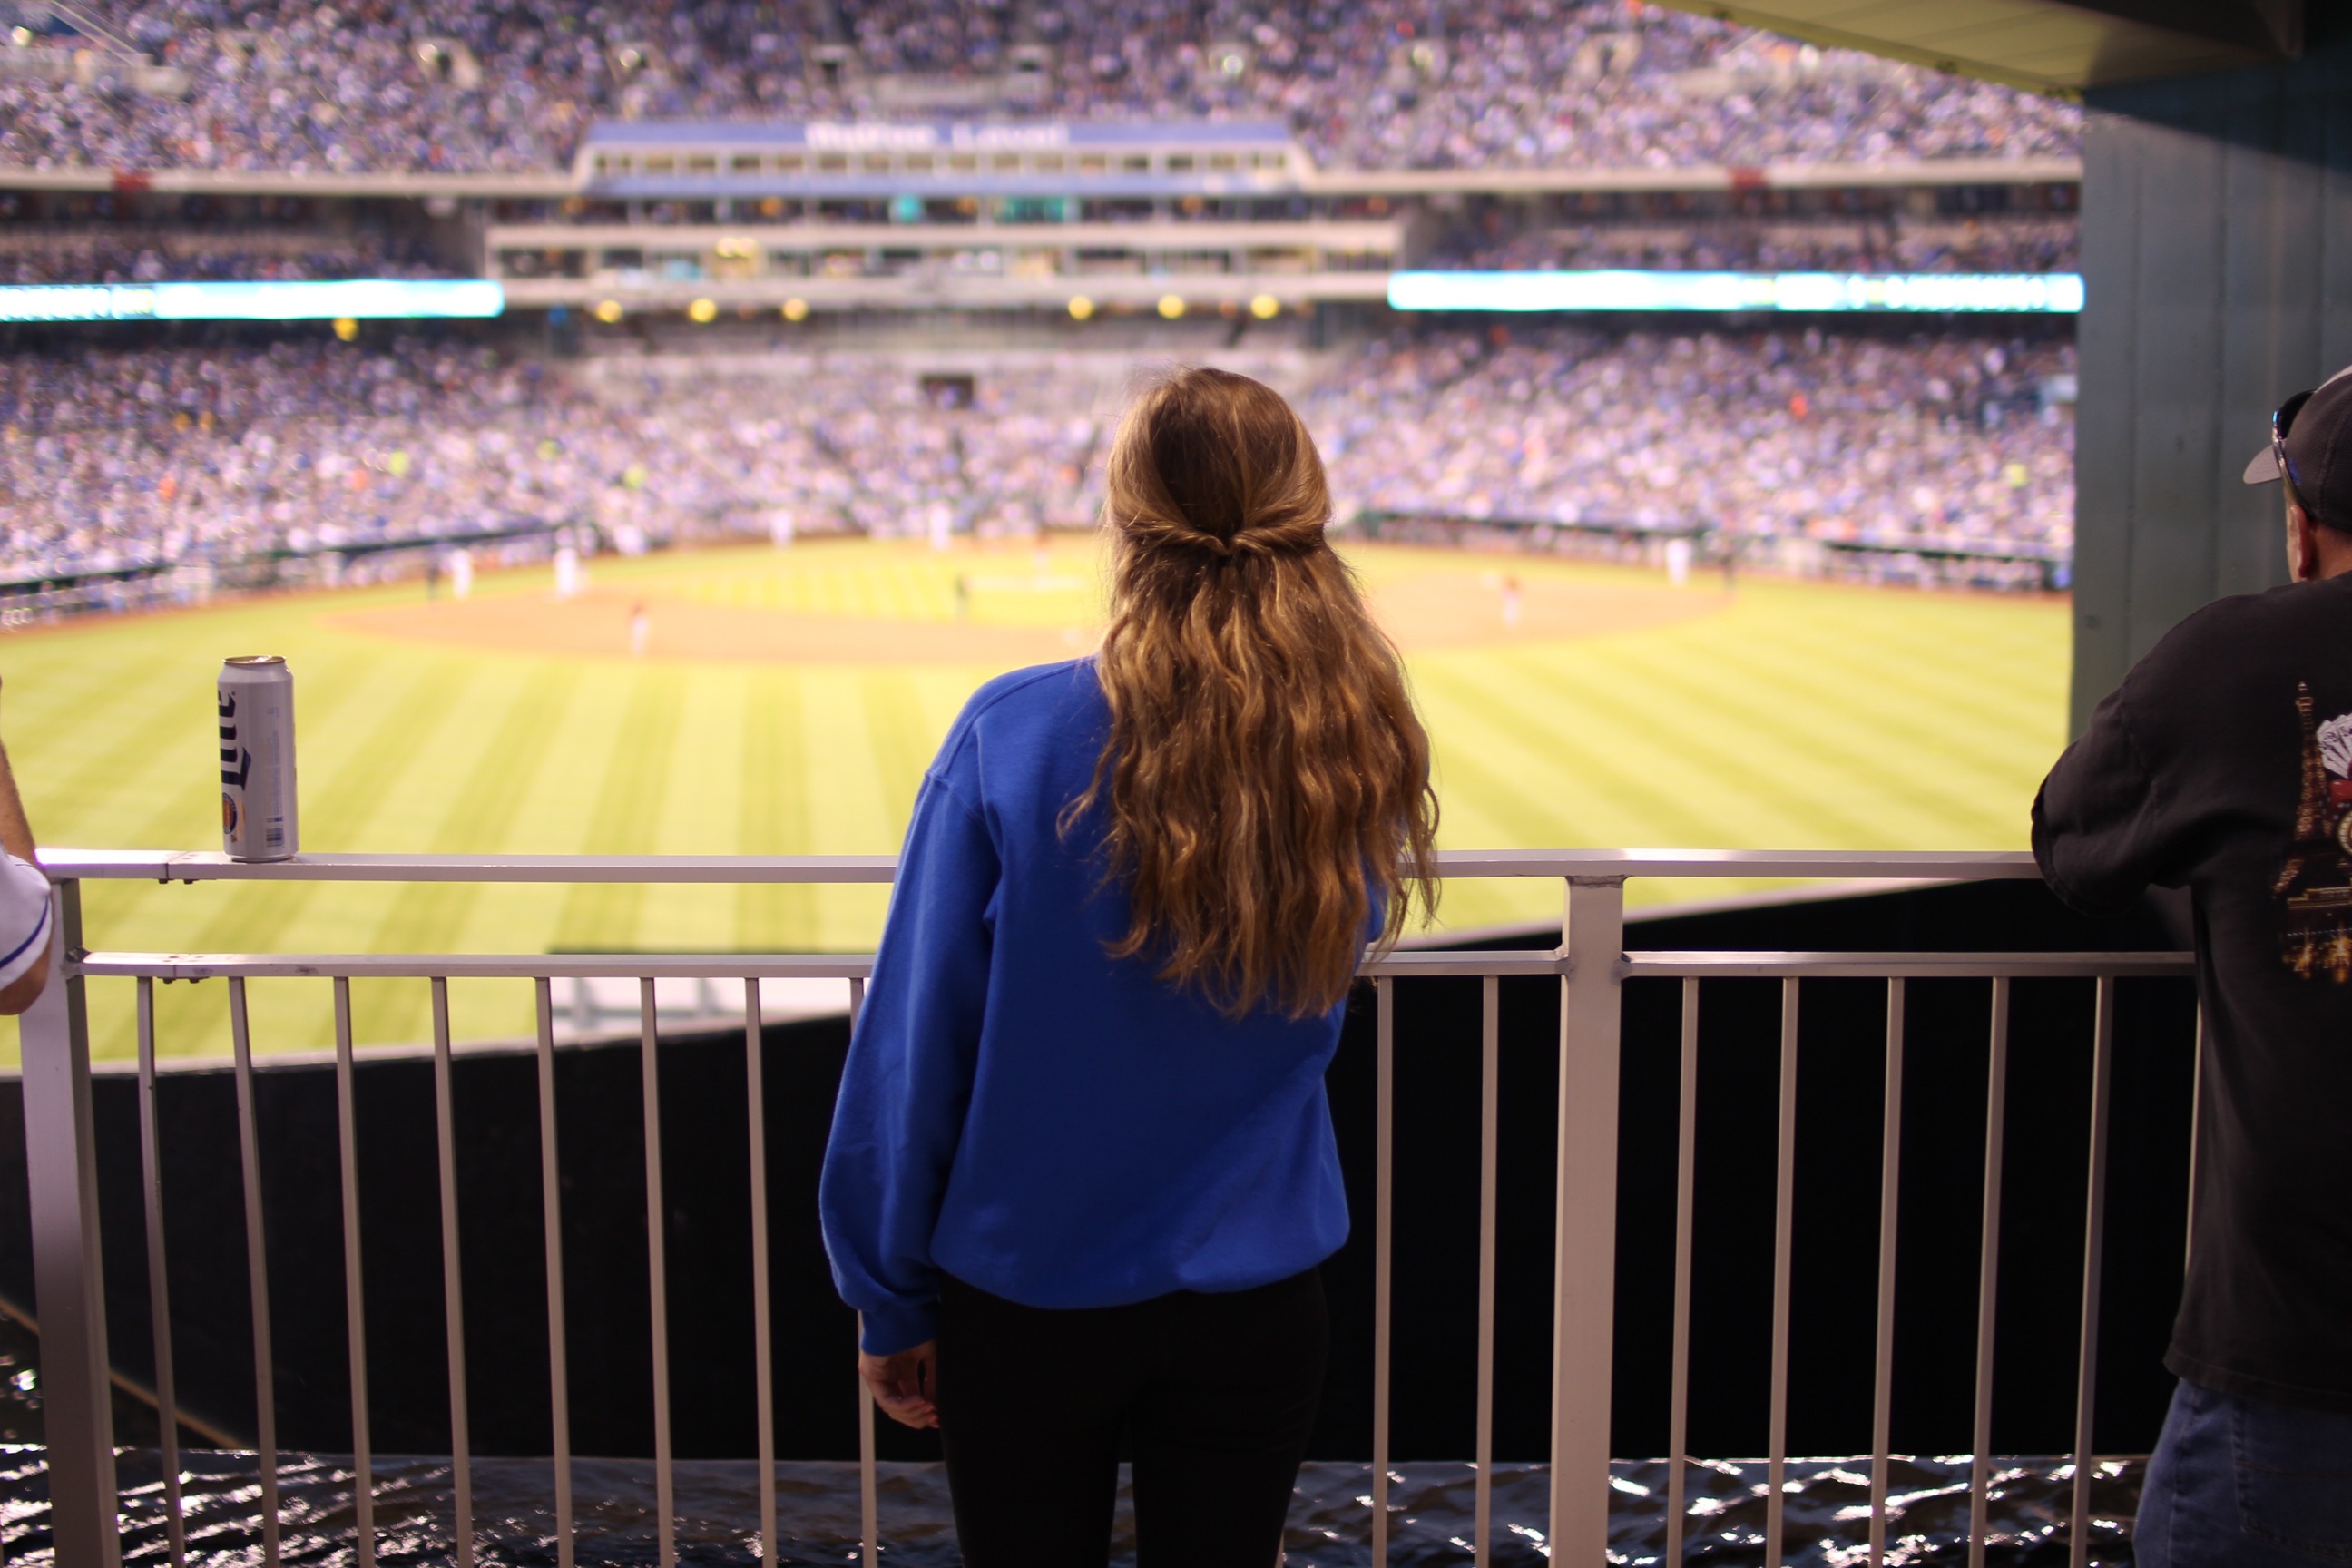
<point>1591,965</point>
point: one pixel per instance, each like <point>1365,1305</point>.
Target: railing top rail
<point>210,866</point>
<point>1711,964</point>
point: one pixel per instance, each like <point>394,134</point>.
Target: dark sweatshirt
<point>2223,764</point>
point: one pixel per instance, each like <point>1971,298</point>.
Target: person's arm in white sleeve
<point>24,903</point>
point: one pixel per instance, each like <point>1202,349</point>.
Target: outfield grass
<point>1789,715</point>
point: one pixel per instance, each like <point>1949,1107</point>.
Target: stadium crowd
<point>116,460</point>
<point>480,86</point>
<point>1959,442</point>
<point>112,460</point>
<point>2039,244</point>
<point>104,257</point>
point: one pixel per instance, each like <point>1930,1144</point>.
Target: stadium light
<point>1266,306</point>
<point>703,310</point>
<point>608,311</point>
<point>1171,305</point>
<point>796,309</point>
<point>318,300</point>
<point>1081,308</point>
<point>2054,293</point>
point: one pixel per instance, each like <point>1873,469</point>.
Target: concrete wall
<point>2217,252</point>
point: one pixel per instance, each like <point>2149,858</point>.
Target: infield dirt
<point>1429,610</point>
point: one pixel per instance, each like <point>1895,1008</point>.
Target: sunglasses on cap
<point>2282,421</point>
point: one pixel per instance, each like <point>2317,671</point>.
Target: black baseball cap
<point>2317,430</point>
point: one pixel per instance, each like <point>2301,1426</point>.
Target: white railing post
<point>76,1408</point>
<point>1585,1222</point>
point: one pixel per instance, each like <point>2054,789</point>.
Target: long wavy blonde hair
<point>1266,777</point>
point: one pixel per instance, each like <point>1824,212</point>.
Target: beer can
<point>256,759</point>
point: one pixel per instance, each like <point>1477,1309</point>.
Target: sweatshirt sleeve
<point>899,1115</point>
<point>2098,834</point>
<point>23,917</point>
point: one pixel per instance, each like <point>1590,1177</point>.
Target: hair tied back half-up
<point>1267,778</point>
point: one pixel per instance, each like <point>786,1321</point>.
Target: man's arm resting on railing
<point>24,938</point>
<point>2100,833</point>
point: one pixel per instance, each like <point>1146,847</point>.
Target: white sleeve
<point>23,917</point>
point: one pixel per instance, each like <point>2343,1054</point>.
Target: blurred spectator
<point>117,460</point>
<point>156,256</point>
<point>475,84</point>
<point>176,456</point>
<point>2035,244</point>
<point>1944,442</point>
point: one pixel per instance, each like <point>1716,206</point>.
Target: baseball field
<point>763,700</point>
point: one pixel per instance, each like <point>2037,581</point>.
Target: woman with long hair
<point>1082,1171</point>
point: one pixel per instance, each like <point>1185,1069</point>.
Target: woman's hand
<point>904,1385</point>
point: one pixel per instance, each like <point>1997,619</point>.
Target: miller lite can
<point>256,759</point>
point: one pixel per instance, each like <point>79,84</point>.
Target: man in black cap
<point>2223,764</point>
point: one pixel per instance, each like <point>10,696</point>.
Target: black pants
<point>1214,1395</point>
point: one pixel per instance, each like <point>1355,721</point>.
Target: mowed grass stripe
<point>1972,734</point>
<point>427,917</point>
<point>121,734</point>
<point>1826,780</point>
<point>702,815</point>
<point>903,743</point>
<point>775,813</point>
<point>1543,778</point>
<point>1626,751</point>
<point>603,916</point>
<point>1983,682</point>
<point>1874,714</point>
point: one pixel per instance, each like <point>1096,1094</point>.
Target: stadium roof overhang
<point>2043,46</point>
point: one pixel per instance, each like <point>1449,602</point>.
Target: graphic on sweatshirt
<point>2314,883</point>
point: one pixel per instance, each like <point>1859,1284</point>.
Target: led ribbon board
<point>2054,293</point>
<point>272,301</point>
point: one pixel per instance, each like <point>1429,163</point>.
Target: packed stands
<point>1790,445</point>
<point>155,256</point>
<point>139,460</point>
<point>143,459</point>
<point>472,86</point>
<point>2002,243</point>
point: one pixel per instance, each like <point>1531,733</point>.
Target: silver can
<point>256,759</point>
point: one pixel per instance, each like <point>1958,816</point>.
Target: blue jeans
<point>2241,1483</point>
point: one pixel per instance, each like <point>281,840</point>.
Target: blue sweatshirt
<point>1025,1113</point>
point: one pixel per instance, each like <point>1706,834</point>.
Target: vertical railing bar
<point>1890,1195</point>
<point>2195,1110</point>
<point>1584,1217</point>
<point>1686,1179</point>
<point>158,1300</point>
<point>452,1298</point>
<point>1989,1278</point>
<point>257,1267</point>
<point>755,1095</point>
<point>869,1502</point>
<point>1784,1211</point>
<point>68,1265</point>
<point>354,1284</point>
<point>1383,1216</point>
<point>1490,1082</point>
<point>2095,1232</point>
<point>658,1275</point>
<point>551,1199</point>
